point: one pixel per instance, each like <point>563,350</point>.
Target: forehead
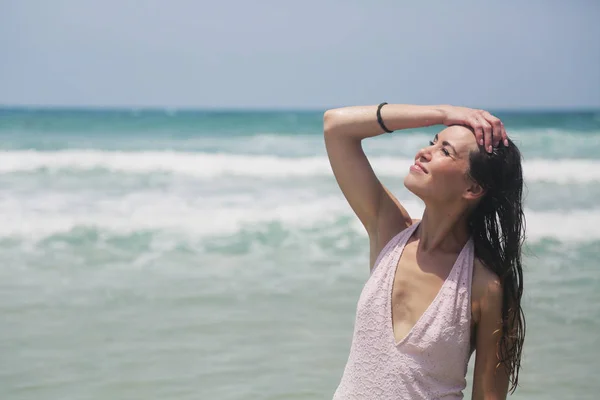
<point>462,138</point>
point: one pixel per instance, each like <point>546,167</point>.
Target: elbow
<point>330,121</point>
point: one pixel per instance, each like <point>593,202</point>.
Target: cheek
<point>451,179</point>
<point>448,175</point>
<point>445,180</point>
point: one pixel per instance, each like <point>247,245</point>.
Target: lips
<point>420,166</point>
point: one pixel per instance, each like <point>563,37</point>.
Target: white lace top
<point>431,361</point>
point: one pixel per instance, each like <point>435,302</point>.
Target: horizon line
<point>64,107</point>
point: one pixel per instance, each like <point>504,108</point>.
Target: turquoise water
<point>183,254</point>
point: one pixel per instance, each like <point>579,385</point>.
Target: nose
<point>424,154</point>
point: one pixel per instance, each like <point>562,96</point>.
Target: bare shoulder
<point>485,281</point>
<point>392,218</point>
<point>392,215</point>
<point>486,289</point>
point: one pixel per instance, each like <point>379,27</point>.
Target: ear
<point>474,191</point>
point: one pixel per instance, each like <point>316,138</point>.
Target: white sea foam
<point>51,214</point>
<point>207,166</point>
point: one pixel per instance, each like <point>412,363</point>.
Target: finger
<point>504,135</point>
<point>497,128</point>
<point>487,133</point>
<point>477,129</point>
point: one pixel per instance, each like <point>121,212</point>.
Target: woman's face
<point>440,172</point>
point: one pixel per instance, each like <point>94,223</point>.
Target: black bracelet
<point>380,120</point>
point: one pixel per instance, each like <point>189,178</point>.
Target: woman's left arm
<point>490,380</point>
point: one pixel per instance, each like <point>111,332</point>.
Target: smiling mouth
<point>418,167</point>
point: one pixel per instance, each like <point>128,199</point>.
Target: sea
<point>209,254</point>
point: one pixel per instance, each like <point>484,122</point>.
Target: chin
<point>415,185</point>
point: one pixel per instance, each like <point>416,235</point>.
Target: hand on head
<point>489,130</point>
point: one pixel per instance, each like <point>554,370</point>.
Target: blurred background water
<point>210,254</point>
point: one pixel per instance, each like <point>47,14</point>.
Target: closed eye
<point>446,152</point>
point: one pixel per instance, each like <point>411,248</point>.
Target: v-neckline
<point>435,299</point>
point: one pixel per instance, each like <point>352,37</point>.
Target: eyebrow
<point>446,143</point>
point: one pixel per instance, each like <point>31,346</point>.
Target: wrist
<point>442,111</point>
<point>407,116</point>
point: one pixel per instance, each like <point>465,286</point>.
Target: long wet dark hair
<point>497,226</point>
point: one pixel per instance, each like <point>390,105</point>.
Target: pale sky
<point>309,54</point>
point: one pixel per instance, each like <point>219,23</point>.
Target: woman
<point>448,284</point>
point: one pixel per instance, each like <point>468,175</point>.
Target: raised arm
<point>344,129</point>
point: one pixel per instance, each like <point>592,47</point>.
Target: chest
<point>419,283</point>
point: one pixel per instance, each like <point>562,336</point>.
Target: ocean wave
<point>534,142</point>
<point>173,214</point>
<point>208,166</point>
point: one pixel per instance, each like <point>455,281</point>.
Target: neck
<point>443,228</point>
